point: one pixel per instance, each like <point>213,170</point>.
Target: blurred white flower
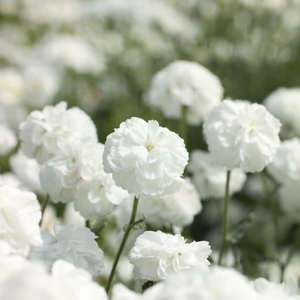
<point>218,284</point>
<point>284,104</point>
<point>71,216</point>
<point>73,244</point>
<point>209,178</point>
<point>20,214</point>
<point>156,255</point>
<point>185,83</point>
<point>8,140</point>
<point>286,164</point>
<point>275,291</point>
<point>12,116</point>
<point>64,283</point>
<point>27,169</point>
<point>11,180</point>
<point>43,132</point>
<point>72,52</point>
<point>145,159</point>
<point>60,175</point>
<point>41,83</point>
<point>75,283</point>
<point>177,209</point>
<point>11,87</point>
<point>96,194</point>
<point>242,135</point>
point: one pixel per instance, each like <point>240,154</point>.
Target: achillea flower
<point>43,132</point>
<point>8,140</point>
<point>177,209</point>
<point>242,135</point>
<point>144,158</point>
<point>156,255</point>
<point>185,83</point>
<point>76,245</point>
<point>284,104</point>
<point>209,178</point>
<point>20,214</point>
<point>286,164</point>
<point>96,193</point>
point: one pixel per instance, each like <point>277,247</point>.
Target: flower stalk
<point>44,205</point>
<point>131,224</point>
<point>225,219</point>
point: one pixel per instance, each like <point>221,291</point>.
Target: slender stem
<point>44,205</point>
<point>225,218</point>
<point>124,240</point>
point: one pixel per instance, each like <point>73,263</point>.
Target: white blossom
<point>156,255</point>
<point>27,169</point>
<point>284,104</point>
<point>185,83</point>
<point>20,214</point>
<point>73,244</point>
<point>11,87</point>
<point>145,159</point>
<point>8,140</point>
<point>242,135</point>
<point>286,164</point>
<point>43,132</point>
<point>274,291</point>
<point>209,178</point>
<point>12,180</point>
<point>72,52</point>
<point>96,194</point>
<point>177,209</point>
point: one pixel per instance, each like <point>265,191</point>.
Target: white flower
<point>76,245</point>
<point>27,169</point>
<point>177,209</point>
<point>60,175</point>
<point>156,255</point>
<point>284,104</point>
<point>8,140</point>
<point>20,214</point>
<point>145,159</point>
<point>75,283</point>
<point>41,83</point>
<point>286,164</point>
<point>11,87</point>
<point>11,180</point>
<point>274,291</point>
<point>72,52</point>
<point>64,283</point>
<point>219,284</point>
<point>242,135</point>
<point>43,132</point>
<point>185,83</point>
<point>210,178</point>
<point>96,194</point>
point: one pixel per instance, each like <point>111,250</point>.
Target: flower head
<point>76,245</point>
<point>242,135</point>
<point>145,159</point>
<point>44,132</point>
<point>20,214</point>
<point>156,255</point>
<point>185,83</point>
<point>209,178</point>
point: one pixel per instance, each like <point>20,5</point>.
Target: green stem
<point>124,240</point>
<point>183,125</point>
<point>88,224</point>
<point>225,219</point>
<point>44,205</point>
